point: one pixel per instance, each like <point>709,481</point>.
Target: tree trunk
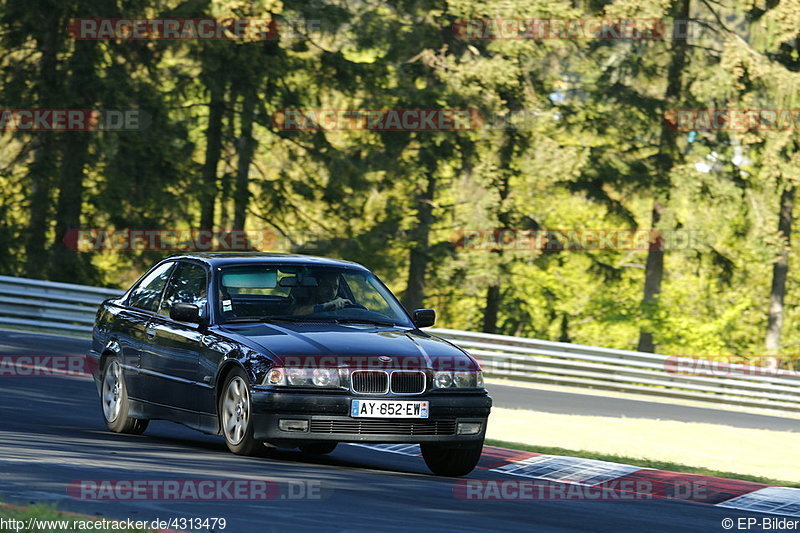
<point>492,308</point>
<point>653,275</point>
<point>668,152</point>
<point>246,147</point>
<point>208,192</point>
<point>563,335</point>
<point>40,176</point>
<point>66,265</point>
<point>43,167</point>
<point>493,294</point>
<point>414,295</point>
<point>780,271</point>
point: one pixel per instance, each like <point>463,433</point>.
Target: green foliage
<point>583,150</point>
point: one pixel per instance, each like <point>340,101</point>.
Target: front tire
<point>235,416</point>
<point>451,461</point>
<point>114,401</point>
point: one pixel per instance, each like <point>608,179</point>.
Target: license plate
<point>388,409</point>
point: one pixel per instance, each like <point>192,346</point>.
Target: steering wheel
<point>355,306</point>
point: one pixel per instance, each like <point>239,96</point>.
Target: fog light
<point>275,377</point>
<point>469,428</point>
<point>293,425</point>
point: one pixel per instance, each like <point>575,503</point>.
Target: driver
<point>324,298</point>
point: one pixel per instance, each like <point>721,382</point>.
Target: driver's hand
<point>337,303</point>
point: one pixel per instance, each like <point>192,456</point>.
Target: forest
<point>615,173</point>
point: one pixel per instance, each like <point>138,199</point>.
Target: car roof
<point>220,259</point>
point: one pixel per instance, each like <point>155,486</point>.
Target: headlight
<point>466,380</point>
<point>458,380</point>
<point>297,377</point>
<point>325,377</point>
<point>442,380</point>
<point>303,377</point>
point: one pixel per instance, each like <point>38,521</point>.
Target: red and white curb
<point>722,492</point>
<point>774,500</point>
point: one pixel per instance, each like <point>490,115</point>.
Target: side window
<point>147,294</point>
<point>189,285</point>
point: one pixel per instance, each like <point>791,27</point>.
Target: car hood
<point>354,345</point>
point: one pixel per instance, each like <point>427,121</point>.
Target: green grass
<point>50,513</point>
<point>645,463</point>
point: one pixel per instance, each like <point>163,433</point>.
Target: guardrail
<point>69,308</point>
<point>584,366</point>
<point>50,306</point>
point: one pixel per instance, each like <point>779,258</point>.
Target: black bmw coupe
<point>286,351</point>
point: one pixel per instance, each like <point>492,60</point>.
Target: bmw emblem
<point>384,359</point>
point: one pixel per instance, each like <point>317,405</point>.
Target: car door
<point>131,324</point>
<point>174,349</point>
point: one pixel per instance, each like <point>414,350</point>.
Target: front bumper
<point>329,419</point>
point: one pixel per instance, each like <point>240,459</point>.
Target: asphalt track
<point>52,434</point>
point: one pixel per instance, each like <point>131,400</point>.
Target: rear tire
<point>451,461</point>
<point>235,416</point>
<point>318,448</point>
<point>114,401</point>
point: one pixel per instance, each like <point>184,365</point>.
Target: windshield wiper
<point>268,319</point>
<point>365,321</point>
<point>276,319</point>
<point>239,320</point>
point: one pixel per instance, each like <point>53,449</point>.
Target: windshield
<point>301,293</point>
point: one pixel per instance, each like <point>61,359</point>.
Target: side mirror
<point>424,318</point>
<point>185,313</point>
